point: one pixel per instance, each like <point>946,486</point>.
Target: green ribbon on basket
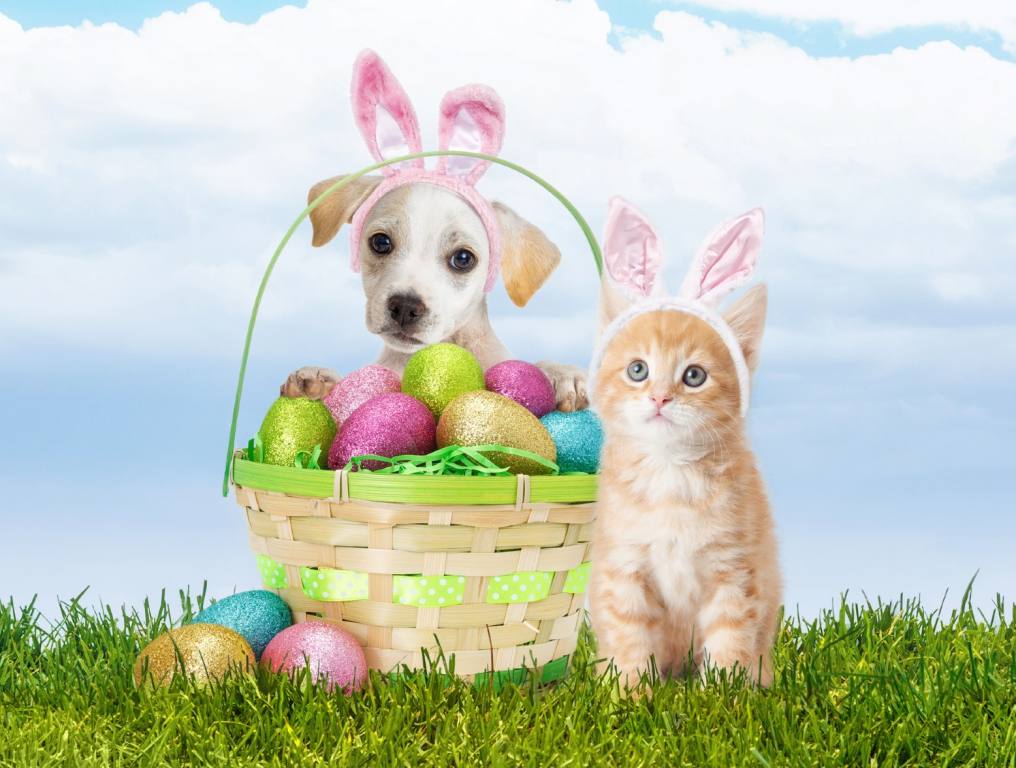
<point>463,460</point>
<point>348,179</point>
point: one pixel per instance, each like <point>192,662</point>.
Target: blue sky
<point>147,173</point>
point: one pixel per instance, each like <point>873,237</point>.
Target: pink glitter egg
<point>391,424</point>
<point>359,387</point>
<point>333,655</point>
<point>524,383</point>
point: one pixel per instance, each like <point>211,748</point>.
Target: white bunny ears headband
<point>726,260</point>
<point>471,118</point>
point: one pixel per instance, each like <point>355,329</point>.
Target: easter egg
<point>438,374</point>
<point>295,424</point>
<point>334,656</point>
<point>359,387</point>
<point>578,437</point>
<point>258,615</point>
<point>392,424</point>
<point>208,652</point>
<point>487,418</point>
<point>524,383</point>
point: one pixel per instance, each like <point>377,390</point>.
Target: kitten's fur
<point>685,563</point>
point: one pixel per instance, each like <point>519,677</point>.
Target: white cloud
<point>957,286</point>
<point>872,17</point>
<point>146,176</point>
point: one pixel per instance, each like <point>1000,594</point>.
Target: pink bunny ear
<point>471,119</point>
<point>726,258</point>
<point>631,250</point>
<point>383,112</point>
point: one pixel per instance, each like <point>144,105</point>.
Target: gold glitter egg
<point>204,651</point>
<point>438,374</point>
<point>293,425</point>
<point>487,418</point>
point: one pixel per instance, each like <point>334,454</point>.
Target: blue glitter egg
<point>578,437</point>
<point>258,615</point>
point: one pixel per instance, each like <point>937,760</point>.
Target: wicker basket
<point>489,572</point>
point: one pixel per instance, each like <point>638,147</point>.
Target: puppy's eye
<point>380,243</point>
<point>462,260</point>
<point>638,370</point>
<point>694,376</point>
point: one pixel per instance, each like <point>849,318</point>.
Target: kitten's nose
<point>406,309</point>
<point>661,400</point>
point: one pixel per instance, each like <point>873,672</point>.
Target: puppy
<point>428,246</point>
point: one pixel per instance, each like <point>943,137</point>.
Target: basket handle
<point>583,225</point>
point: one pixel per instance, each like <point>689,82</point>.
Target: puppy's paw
<point>569,385</point>
<point>310,381</point>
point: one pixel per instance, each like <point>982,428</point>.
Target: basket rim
<point>439,490</point>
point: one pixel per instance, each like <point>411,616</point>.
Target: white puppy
<point>423,241</point>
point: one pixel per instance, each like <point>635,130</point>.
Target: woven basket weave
<point>487,571</point>
<point>490,537</point>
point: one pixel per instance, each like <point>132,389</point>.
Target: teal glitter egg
<point>578,437</point>
<point>258,615</point>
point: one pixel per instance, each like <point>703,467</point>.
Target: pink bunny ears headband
<point>725,261</point>
<point>471,118</point>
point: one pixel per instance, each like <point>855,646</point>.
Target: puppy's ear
<point>527,257</point>
<point>338,208</point>
<point>747,318</point>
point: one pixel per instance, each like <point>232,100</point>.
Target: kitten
<point>685,563</point>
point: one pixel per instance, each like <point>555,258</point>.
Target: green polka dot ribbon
<point>577,580</point>
<point>523,587</point>
<point>273,574</point>
<point>333,586</point>
<point>428,591</point>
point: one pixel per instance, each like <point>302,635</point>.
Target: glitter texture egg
<point>578,437</point>
<point>334,656</point>
<point>438,374</point>
<point>387,425</point>
<point>359,387</point>
<point>208,652</point>
<point>258,615</point>
<point>524,383</point>
<point>483,418</point>
<point>295,424</point>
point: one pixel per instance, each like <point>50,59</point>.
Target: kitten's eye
<point>380,243</point>
<point>694,376</point>
<point>638,370</point>
<point>462,260</point>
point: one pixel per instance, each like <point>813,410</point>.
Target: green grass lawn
<point>863,685</point>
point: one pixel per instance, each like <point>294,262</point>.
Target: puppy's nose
<point>405,309</point>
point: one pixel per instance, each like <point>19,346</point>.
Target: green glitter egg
<point>438,374</point>
<point>487,418</point>
<point>295,424</point>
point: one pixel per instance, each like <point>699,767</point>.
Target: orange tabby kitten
<point>685,562</point>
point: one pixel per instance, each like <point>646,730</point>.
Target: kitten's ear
<point>338,208</point>
<point>747,319</point>
<point>632,257</point>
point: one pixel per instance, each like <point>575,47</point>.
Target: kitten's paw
<point>310,381</point>
<point>569,385</point>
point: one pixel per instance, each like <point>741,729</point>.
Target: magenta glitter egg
<point>359,387</point>
<point>334,656</point>
<point>391,424</point>
<point>524,383</point>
